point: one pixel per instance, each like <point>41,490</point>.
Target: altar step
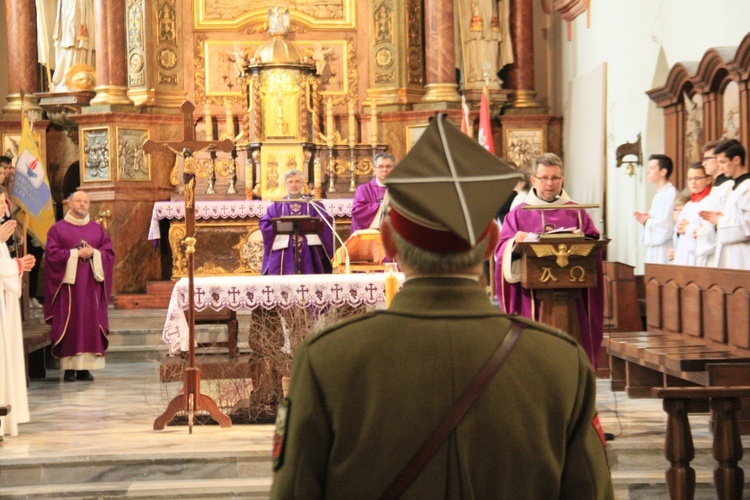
<point>637,472</point>
<point>156,297</point>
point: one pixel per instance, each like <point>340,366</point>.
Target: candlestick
<point>391,286</point>
<point>352,125</point>
<point>317,176</point>
<point>374,123</point>
<point>209,122</point>
<point>329,123</point>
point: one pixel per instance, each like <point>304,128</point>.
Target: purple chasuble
<point>514,298</point>
<point>77,312</point>
<point>313,259</point>
<point>366,204</point>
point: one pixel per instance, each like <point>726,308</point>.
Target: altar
<point>229,241</point>
<point>311,291</point>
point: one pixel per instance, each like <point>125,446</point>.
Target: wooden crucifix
<point>190,399</point>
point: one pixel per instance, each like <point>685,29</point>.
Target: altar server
<point>658,222</point>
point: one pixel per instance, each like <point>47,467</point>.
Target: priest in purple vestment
<point>314,251</point>
<point>521,225</point>
<point>367,207</point>
<point>79,264</point>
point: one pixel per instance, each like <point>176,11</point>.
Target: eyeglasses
<point>548,180</point>
<point>706,158</point>
<point>383,167</point>
<point>692,179</point>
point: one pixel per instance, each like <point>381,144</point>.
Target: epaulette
<point>529,323</point>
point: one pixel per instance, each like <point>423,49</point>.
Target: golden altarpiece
<point>320,88</point>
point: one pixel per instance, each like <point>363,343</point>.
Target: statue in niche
<point>693,127</point>
<point>485,37</point>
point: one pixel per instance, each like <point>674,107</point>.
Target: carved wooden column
<point>440,55</point>
<point>397,75</point>
<point>521,74</point>
<point>111,73</point>
<point>22,54</point>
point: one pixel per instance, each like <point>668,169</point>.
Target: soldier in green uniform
<point>366,393</point>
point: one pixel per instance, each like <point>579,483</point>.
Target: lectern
<point>556,269</point>
<point>296,226</point>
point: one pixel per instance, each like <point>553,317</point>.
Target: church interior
<point>238,93</point>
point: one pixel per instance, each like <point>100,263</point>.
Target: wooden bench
<point>696,319</point>
<point>36,336</point>
<point>621,308</point>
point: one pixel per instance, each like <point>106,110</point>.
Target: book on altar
<point>561,233</point>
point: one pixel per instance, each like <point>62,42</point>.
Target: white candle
<point>374,123</point>
<point>352,125</point>
<point>209,122</point>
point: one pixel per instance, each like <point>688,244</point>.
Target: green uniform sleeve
<point>586,472</point>
<point>305,440</point>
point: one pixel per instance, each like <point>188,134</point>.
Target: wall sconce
<point>630,149</point>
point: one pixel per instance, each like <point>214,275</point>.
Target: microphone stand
<point>335,234</point>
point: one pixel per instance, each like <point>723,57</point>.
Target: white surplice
<point>12,367</point>
<point>733,229</point>
<point>659,229</point>
<point>696,246</point>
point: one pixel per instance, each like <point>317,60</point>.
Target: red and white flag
<point>485,126</point>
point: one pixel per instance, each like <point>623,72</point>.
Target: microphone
<point>311,202</point>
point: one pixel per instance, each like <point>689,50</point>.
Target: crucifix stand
<point>190,398</point>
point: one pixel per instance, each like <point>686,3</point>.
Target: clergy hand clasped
<point>85,251</point>
<point>26,262</point>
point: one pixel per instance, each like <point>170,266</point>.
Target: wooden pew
<point>622,314</point>
<point>696,318</point>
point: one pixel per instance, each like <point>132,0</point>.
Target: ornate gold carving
<point>577,274</point>
<point>363,166</point>
<point>210,269</point>
<point>263,28</point>
<point>384,57</point>
<point>385,78</point>
<point>134,30</point>
<point>291,162</point>
<point>250,252</point>
<point>562,252</point>
<point>273,173</point>
<point>199,67</point>
<point>189,243</point>
<point>167,79</point>
<point>167,22</point>
<point>414,58</point>
<point>383,22</point>
<point>179,261</point>
<point>167,58</point>
<point>319,14</point>
<point>547,275</point>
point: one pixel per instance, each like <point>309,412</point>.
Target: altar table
<point>229,240</point>
<point>269,292</point>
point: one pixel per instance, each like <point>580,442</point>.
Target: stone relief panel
<point>132,163</point>
<point>95,161</point>
<point>219,63</point>
<point>731,111</point>
<point>693,127</point>
<point>233,14</point>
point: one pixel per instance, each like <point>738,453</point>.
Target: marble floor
<point>111,419</point>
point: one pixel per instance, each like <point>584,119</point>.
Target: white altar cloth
<point>251,292</point>
<point>230,209</point>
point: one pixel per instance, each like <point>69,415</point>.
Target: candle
<point>230,120</point>
<point>352,125</point>
<point>391,287</point>
<point>329,122</point>
<point>317,175</point>
<point>374,123</point>
<point>209,122</point>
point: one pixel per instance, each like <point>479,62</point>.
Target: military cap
<point>446,192</point>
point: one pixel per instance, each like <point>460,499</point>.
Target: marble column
<point>22,55</point>
<point>521,74</point>
<point>440,56</point>
<point>111,68</point>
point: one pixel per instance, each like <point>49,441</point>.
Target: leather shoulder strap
<point>456,413</point>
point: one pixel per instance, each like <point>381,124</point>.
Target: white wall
<point>639,40</point>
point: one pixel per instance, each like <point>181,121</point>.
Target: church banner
<point>31,189</point>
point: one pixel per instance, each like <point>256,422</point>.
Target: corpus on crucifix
<point>190,399</point>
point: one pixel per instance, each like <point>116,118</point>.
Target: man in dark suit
<point>367,393</point>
